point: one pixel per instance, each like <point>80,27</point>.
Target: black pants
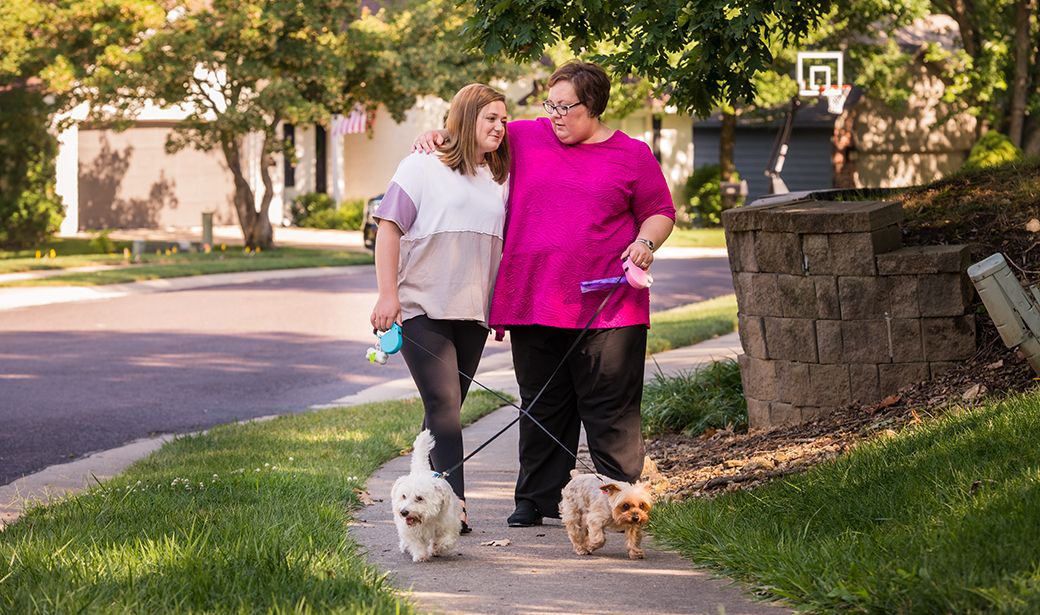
<point>600,386</point>
<point>458,343</point>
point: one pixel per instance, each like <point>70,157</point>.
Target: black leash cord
<point>533,401</point>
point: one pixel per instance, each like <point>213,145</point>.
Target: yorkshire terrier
<point>427,513</point>
<point>591,505</point>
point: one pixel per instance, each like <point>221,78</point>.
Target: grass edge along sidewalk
<point>942,518</point>
<point>243,518</point>
<point>182,264</point>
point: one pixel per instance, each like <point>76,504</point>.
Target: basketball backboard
<point>820,71</point>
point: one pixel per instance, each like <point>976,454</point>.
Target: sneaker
<point>525,515</point>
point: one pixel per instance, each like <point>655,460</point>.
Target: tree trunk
<point>727,139</point>
<point>1020,83</point>
<point>964,13</point>
<point>256,228</point>
<point>1031,136</point>
<point>265,234</point>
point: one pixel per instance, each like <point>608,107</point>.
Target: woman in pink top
<point>583,197</point>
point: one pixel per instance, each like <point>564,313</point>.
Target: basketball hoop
<point>836,97</point>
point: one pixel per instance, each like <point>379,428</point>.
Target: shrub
<point>30,210</point>
<point>692,402</point>
<point>314,210</point>
<point>703,206</point>
<point>102,243</point>
<point>308,204</point>
<point>992,150</point>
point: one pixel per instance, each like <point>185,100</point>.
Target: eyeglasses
<point>561,109</point>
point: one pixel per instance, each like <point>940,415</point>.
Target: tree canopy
<point>703,53</point>
<point>238,68</point>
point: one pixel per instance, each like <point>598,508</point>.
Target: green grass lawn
<point>75,253</point>
<point>68,253</point>
<point>245,518</point>
<point>943,518</point>
<point>697,238</point>
<point>689,324</point>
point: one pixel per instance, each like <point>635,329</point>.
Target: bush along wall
<point>703,206</point>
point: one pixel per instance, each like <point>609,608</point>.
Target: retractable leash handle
<point>634,276</point>
<point>389,342</point>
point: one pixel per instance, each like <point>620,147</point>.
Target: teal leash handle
<point>391,340</point>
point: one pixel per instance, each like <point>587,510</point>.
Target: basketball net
<point>836,97</point>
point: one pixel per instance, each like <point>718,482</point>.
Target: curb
<point>21,297</point>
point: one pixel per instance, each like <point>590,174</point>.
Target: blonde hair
<point>459,151</point>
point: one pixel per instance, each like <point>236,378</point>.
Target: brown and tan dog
<point>591,505</point>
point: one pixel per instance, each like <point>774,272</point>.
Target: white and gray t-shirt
<point>452,238</point>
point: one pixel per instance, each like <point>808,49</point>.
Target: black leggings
<point>600,387</point>
<point>457,345</point>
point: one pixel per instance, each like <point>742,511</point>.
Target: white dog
<point>427,513</point>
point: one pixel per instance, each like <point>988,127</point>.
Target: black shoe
<point>525,515</point>
<point>466,529</point>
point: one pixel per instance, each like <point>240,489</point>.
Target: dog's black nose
<point>404,512</point>
<point>635,518</point>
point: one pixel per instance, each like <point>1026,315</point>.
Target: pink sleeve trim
<point>397,207</point>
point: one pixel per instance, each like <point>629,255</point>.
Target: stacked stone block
<point>833,310</point>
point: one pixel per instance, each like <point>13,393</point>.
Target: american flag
<point>354,123</point>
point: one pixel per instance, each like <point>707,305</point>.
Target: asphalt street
<point>82,377</point>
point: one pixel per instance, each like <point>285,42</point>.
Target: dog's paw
<point>635,554</point>
<point>582,551</point>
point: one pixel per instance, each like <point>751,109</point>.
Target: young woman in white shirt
<point>437,253</point>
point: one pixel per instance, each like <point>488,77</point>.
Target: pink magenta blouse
<point>573,209</point>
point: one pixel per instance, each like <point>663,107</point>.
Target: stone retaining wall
<point>833,310</point>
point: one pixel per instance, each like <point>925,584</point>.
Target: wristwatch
<point>646,242</point>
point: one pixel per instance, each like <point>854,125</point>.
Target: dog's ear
<point>609,489</point>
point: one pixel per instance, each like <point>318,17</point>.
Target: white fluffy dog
<point>427,513</point>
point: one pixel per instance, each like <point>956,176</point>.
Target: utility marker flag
<point>355,123</point>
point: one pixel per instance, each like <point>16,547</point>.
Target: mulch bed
<point>723,460</point>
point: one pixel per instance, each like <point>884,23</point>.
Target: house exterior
<point>110,179</point>
<point>359,166</point>
<point>808,165</point>
<point>868,145</point>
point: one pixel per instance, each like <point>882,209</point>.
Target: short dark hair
<point>590,81</point>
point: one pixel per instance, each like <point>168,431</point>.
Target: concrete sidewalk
<point>537,571</point>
